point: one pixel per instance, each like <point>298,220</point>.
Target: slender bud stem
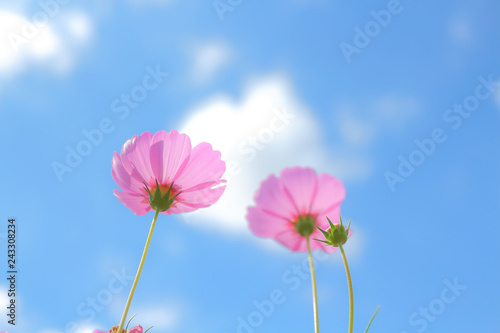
<point>349,283</point>
<point>139,270</point>
<point>315,297</point>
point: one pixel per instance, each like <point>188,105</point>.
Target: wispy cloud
<point>460,31</point>
<point>78,26</point>
<point>355,130</point>
<point>362,125</point>
<point>208,59</point>
<point>48,39</point>
<point>460,28</point>
<point>160,316</point>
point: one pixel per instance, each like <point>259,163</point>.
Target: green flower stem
<point>349,282</point>
<point>313,280</point>
<point>138,274</point>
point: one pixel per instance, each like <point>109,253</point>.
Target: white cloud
<point>51,39</point>
<point>208,59</point>
<point>268,130</point>
<point>13,51</point>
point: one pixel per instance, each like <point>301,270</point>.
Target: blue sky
<point>408,118</point>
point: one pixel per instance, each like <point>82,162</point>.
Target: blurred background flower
<point>289,208</point>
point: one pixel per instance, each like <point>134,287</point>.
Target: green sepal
<point>325,233</point>
<point>331,224</point>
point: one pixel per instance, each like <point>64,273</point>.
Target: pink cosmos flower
<point>290,208</point>
<point>164,167</point>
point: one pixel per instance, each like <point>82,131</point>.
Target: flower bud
<point>336,235</point>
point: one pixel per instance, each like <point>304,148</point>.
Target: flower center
<point>161,197</point>
<point>305,225</point>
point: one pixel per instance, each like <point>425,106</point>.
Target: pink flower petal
<point>136,203</point>
<point>202,198</point>
<point>272,198</point>
<point>181,207</point>
<point>333,214</point>
<point>297,243</point>
<point>129,145</point>
<point>330,193</point>
<point>123,178</point>
<point>157,146</point>
<point>265,225</point>
<point>292,239</point>
<point>135,157</point>
<point>301,186</point>
<point>180,149</point>
<point>204,165</point>
<point>168,154</point>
